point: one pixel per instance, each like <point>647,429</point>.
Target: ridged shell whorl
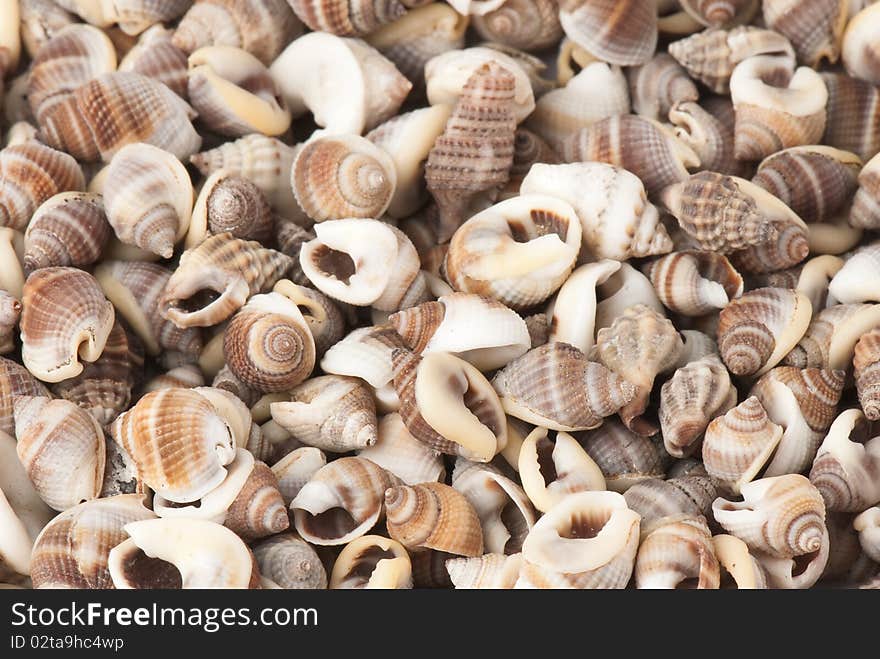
<point>290,563</point>
<point>370,562</point>
<point>489,571</point>
<point>704,129</point>
<point>815,27</point>
<point>232,203</point>
<point>860,51</point>
<point>69,228</point>
<point>433,516</point>
<point>365,352</point>
<point>694,283</point>
<point>659,85</point>
<point>624,457</point>
<point>623,33</point>
<point>155,56</point>
<point>347,18</point>
<point>15,380</point>
<point>830,340</point>
<point>866,363</point>
<point>343,176</point>
<point>865,212</point>
<point>852,115</point>
<point>655,499</point>
<point>678,554</point>
<point>322,315</point>
<point>524,24</point>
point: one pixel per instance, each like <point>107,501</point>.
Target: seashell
<point>371,562</point>
<point>694,283</point>
<point>72,550</point>
<point>711,56</point>
<point>739,568</point>
<point>658,86</point>
<point>524,24</point>
<point>347,18</point>
<point>624,457</point>
<point>798,572</point>
<point>343,176</point>
<point>263,28</point>
<point>697,345</point>
<point>179,442</point>
<point>30,174</point>
<point>132,17</point>
<point>314,65</point>
<point>15,380</point>
<point>489,571</point>
<point>10,310</point>
<point>40,21</point>
<point>859,51</point>
<point>791,244</point>
<point>342,501</point>
<point>230,203</point>
<point>296,469</point>
<point>814,28</point>
<point>639,344</point>
<point>830,339</point>
<point>868,525</point>
<point>478,329</point>
<point>364,262</point>
<point>707,134</point>
<point>655,499</point>
<point>831,174</point>
<point>215,278</point>
<point>856,280</point>
<point>588,540</point>
<point>265,161</point>
<point>865,212</point>
<point>739,444</point>
<point>678,554</point>
<point>579,104</point>
<point>323,317</point>
<point>720,14</point>
<point>845,471</point>
<point>528,149</point>
<point>696,394</point>
<point>621,290</point>
<point>70,228</point>
<point>181,553</point>
<point>364,353</point>
<point>556,387</point>
<point>619,33</point>
<point>783,516</point>
<point>290,238</point>
<point>645,148</point>
<point>757,330</point>
<point>289,562</point>
<point>155,56</point>
<point>447,404</point>
<point>571,59</point>
<point>866,361</point>
<point>617,221</point>
<point>815,276</point>
<point>402,454</point>
<point>519,251</point>
<point>852,111</point>
<point>234,94</point>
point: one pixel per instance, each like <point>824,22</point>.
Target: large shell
<point>290,563</point>
<point>556,387</point>
<point>624,457</point>
<point>815,27</point>
<point>857,280</point>
<point>370,562</point>
<point>622,33</point>
<point>402,454</point>
<point>865,211</point>
<point>489,571</point>
<point>678,555</point>
<point>866,363</point>
<point>659,85</point>
<point>656,499</point>
<point>853,110</point>
<point>830,339</point>
<point>860,51</point>
<point>15,380</point>
<point>589,540</point>
<point>573,311</point>
<point>155,56</point>
<point>694,283</point>
<point>347,18</point>
<point>69,228</point>
<point>525,24</point>
<point>704,129</point>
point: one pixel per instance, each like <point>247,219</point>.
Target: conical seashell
<point>72,550</point>
<point>347,18</point>
<point>782,516</point>
<point>10,311</point>
<point>289,562</point>
<point>710,56</point>
<point>343,176</point>
<point>655,499</point>
<point>757,330</point>
<point>315,65</point>
<point>342,501</point>
<point>638,345</point>
<point>697,344</point>
<point>589,540</point>
<point>622,33</point>
<point>528,149</point>
<point>556,387</point>
<point>857,279</point>
<point>714,14</point>
<point>860,51</point>
<point>830,340</point>
<point>261,27</point>
<point>815,28</point>
<point>853,110</point>
<point>148,197</point>
<point>296,469</point>
<point>155,56</point>
<point>865,212</point>
<point>15,380</point>
<point>707,134</point>
<point>402,454</point>
<point>230,268</point>
<point>30,174</point>
<point>694,283</point>
<point>230,203</point>
<point>868,526</point>
<point>40,21</point>
<point>372,562</point>
<point>364,353</point>
<point>68,229</point>
<point>659,85</point>
<point>617,221</point>
<point>233,411</point>
<point>678,555</point>
<point>519,251</point>
<point>322,315</point>
<point>790,244</point>
<point>624,457</point>
<point>178,441</point>
<point>489,571</point>
<point>647,149</point>
<point>739,568</point>
<point>477,329</point>
<point>449,405</point>
<point>621,290</point>
<point>866,363</point>
<point>65,317</point>
<point>525,24</point>
<point>697,393</point>
<point>191,553</point>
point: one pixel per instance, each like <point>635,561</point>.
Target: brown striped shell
<point>40,21</point>
<point>365,353</point>
<point>659,85</point>
<point>866,363</point>
<point>530,25</point>
<point>528,149</point>
<point>290,238</point>
<point>155,56</point>
<point>489,571</point>
<point>237,205</point>
<point>290,563</point>
<point>347,18</point>
<point>865,212</point>
<point>69,228</point>
<point>323,315</point>
<point>15,380</point>
<point>704,129</point>
<point>830,339</point>
<point>860,51</point>
<point>624,457</point>
<point>622,33</point>
<point>694,283</point>
<point>654,499</point>
<point>815,27</point>
<point>678,554</point>
<point>853,113</point>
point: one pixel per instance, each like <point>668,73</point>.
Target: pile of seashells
<point>353,294</point>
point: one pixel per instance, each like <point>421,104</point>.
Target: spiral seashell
<point>73,549</point>
<point>519,251</point>
<point>528,149</point>
<point>215,278</point>
<point>30,174</point>
<point>230,203</point>
<point>181,553</point>
<point>790,244</point>
<point>697,345</point>
<point>372,562</point>
<point>694,283</point>
<point>868,526</point>
<point>624,457</point>
<point>289,562</point>
<point>530,25</point>
<point>347,18</point>
<point>738,567</point>
<point>489,571</point>
<point>696,394</point>
<point>589,540</point>
<point>866,363</point>
<point>796,572</point>
<point>296,469</point>
<point>712,55</point>
<point>659,85</point>
<point>725,13</point>
<point>261,27</point>
<point>15,380</point>
<point>831,337</point>
<point>447,404</point>
<point>707,134</point>
<point>859,51</point>
<point>155,56</point>
<point>40,21</point>
<point>621,290</point>
<point>365,353</point>
<point>10,311</point>
<point>402,454</point>
<point>852,111</point>
<point>314,65</point>
<point>342,501</point>
<point>865,211</point>
<point>556,387</point>
<point>647,149</point>
<point>678,555</point>
<point>618,33</point>
<point>323,317</point>
<point>687,495</point>
<point>290,238</point>
<point>815,28</point>
<point>783,516</point>
<point>639,344</point>
<point>757,330</point>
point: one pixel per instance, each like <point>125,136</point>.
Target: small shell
<point>853,110</point>
<point>697,393</point>
<point>230,203</point>
<point>589,540</point>
<point>857,280</point>
<point>525,24</point>
<point>621,290</point>
<point>622,33</point>
<point>433,516</point>
<point>402,454</point>
<point>659,85</point>
<point>296,469</point>
<point>347,18</point>
<point>868,526</point>
<point>573,311</point>
<point>795,572</point>
<point>155,56</point>
<point>489,571</point>
<point>15,380</point>
<point>342,501</point>
<point>370,562</point>
<point>655,499</point>
<point>624,457</point>
<point>739,568</point>
<point>815,27</point>
<point>707,134</point>
<point>865,212</point>
<point>860,51</point>
<point>528,149</point>
<point>10,311</point>
<point>69,228</point>
<point>556,387</point>
<point>715,14</point>
<point>791,242</point>
<point>678,555</point>
<point>694,283</point>
<point>289,562</point>
<point>40,21</point>
<point>830,339</point>
<point>867,372</point>
<point>647,149</point>
<point>364,353</point>
<point>782,516</point>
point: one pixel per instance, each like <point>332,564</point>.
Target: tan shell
<point>678,554</point>
<point>856,281</point>
<point>570,59</point>
<point>364,353</point>
<point>658,86</point>
<point>402,454</point>
<point>705,130</point>
<point>489,571</point>
<point>289,562</point>
<point>868,526</point>
<point>589,540</point>
<point>133,16</point>
<point>15,380</point>
<point>323,316</point>
<point>69,228</point>
<point>525,24</point>
<point>622,33</point>
<point>739,568</point>
<point>830,339</point>
<point>40,21</point>
<point>655,499</point>
<point>372,562</point>
<point>865,212</point>
<point>852,110</point>
<point>296,469</point>
<point>694,283</point>
<point>814,27</point>
<point>10,311</point>
<point>790,245</point>
<point>866,362</point>
<point>347,18</point>
<point>621,290</point>
<point>155,56</point>
<point>860,51</point>
<point>624,457</point>
<point>433,516</point>
<point>230,203</point>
